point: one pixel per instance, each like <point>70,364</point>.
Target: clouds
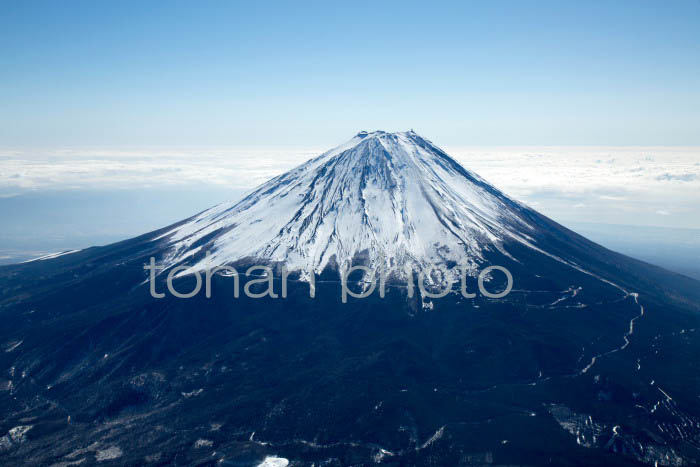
<point>143,169</point>
<point>653,186</point>
<point>616,185</point>
<point>683,177</point>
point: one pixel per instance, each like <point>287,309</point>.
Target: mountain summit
<point>393,199</point>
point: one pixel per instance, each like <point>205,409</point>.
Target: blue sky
<point>213,74</point>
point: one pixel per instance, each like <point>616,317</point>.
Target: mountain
<point>591,358</point>
<point>387,196</point>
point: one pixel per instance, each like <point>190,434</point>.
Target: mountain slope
<point>591,359</point>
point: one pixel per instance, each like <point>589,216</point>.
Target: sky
<point>218,74</point>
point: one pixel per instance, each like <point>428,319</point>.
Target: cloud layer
<point>644,186</point>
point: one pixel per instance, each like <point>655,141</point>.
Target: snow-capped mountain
<point>590,348</point>
<point>393,199</point>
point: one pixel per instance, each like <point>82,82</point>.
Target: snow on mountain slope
<point>392,199</point>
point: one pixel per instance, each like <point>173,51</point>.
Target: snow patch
<point>203,443</point>
<point>14,436</point>
<point>113,452</point>
<point>196,392</point>
<point>436,436</point>
<point>51,256</point>
<point>10,346</point>
<point>274,461</point>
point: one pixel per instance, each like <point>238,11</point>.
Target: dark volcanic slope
<point>591,359</point>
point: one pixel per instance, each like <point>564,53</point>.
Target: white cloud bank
<point>618,185</point>
<point>140,169</point>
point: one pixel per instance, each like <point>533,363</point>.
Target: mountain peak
<point>391,199</point>
<point>368,146</point>
<point>385,134</point>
